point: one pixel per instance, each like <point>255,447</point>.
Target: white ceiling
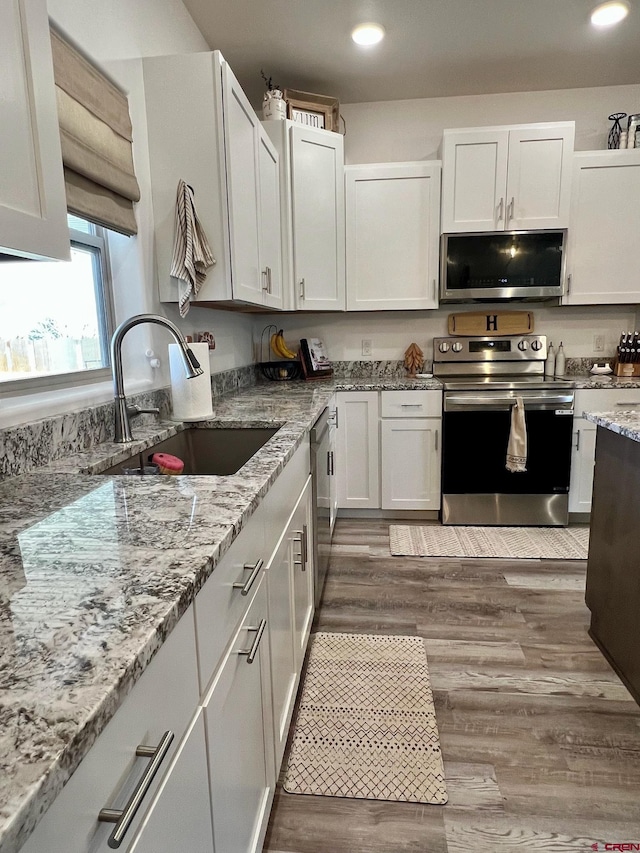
<point>433,48</point>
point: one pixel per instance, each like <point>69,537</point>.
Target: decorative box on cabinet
<point>312,203</point>
<point>33,205</point>
<point>584,438</point>
<point>410,449</point>
<point>392,235</point>
<point>232,167</point>
<point>604,228</point>
<point>507,178</point>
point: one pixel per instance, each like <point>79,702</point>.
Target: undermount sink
<point>203,451</point>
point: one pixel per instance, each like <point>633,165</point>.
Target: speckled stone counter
<point>95,572</point>
<point>602,381</point>
<point>624,423</point>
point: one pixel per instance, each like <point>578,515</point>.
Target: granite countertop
<point>624,423</point>
<point>602,381</point>
<point>95,571</point>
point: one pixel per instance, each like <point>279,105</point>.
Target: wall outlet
<point>367,347</point>
<point>598,343</point>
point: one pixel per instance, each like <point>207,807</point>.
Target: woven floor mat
<point>366,724</point>
<point>529,543</point>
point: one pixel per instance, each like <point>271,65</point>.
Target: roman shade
<point>95,133</point>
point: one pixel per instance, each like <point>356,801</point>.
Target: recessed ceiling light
<point>610,13</point>
<point>367,34</point>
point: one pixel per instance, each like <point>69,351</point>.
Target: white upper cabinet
<point>507,178</point>
<point>392,235</point>
<point>33,207</point>
<point>604,228</point>
<point>312,199</point>
<point>202,129</point>
<point>243,188</point>
<point>270,222</point>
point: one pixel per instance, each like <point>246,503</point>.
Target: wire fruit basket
<point>281,370</point>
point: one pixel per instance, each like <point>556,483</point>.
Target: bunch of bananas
<point>279,346</point>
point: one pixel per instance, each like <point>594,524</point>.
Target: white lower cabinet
<point>218,688</point>
<point>411,463</point>
<point>290,592</point>
<point>358,450</point>
<point>584,438</point>
<point>388,449</point>
<point>180,816</point>
<point>164,699</point>
<point>237,716</point>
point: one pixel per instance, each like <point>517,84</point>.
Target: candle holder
<point>613,140</point>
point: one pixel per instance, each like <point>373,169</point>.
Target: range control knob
<point>523,345</point>
<point>456,347</point>
<point>536,345</point>
<point>444,346</point>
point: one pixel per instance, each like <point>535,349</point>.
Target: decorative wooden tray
<point>491,323</point>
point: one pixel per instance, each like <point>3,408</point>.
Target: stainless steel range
<point>482,378</point>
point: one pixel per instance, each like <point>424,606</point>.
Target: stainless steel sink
<point>204,451</point>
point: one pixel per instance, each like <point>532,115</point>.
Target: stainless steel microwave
<point>491,267</point>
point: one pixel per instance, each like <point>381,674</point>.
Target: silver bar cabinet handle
<point>577,439</point>
<point>305,544</point>
<point>265,279</point>
<point>500,209</point>
<point>302,562</point>
<point>255,571</point>
<point>301,288</point>
<point>511,208</point>
<point>253,651</point>
<point>269,279</point>
<point>124,817</point>
<point>328,463</point>
<point>331,471</point>
<point>437,440</point>
<point>569,284</point>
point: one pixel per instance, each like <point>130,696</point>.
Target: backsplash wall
<point>391,332</point>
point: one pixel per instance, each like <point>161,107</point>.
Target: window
<point>55,317</point>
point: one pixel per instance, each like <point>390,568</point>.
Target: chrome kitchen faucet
<point>122,411</point>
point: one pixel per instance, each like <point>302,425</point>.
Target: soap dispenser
<point>560,361</point>
<point>550,363</point>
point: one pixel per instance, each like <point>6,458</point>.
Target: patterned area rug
<point>366,725</point>
<point>529,543</point>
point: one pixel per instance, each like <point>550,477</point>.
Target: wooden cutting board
<point>480,323</point>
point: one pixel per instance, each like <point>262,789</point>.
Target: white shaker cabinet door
<point>604,228</point>
<point>180,816</point>
<point>317,160</point>
<point>33,207</point>
<point>357,450</point>
<point>474,179</point>
<point>583,454</point>
<point>239,734</point>
<point>241,152</point>
<point>302,574</point>
<point>411,463</point>
<point>270,222</point>
<point>393,236</point>
<point>539,177</point>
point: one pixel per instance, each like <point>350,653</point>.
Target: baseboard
<point>391,514</point>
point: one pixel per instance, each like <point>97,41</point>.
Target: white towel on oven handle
<point>517,446</point>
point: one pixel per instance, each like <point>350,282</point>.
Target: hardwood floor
<point>541,741</point>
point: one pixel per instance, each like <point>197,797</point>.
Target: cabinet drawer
<point>163,699</point>
<point>219,605</point>
<point>606,400</point>
<point>411,404</point>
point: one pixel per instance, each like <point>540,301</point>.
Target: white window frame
<point>105,307</point>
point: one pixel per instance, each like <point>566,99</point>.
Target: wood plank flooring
<point>540,739</point>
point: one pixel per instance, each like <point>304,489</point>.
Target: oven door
<point>477,488</point>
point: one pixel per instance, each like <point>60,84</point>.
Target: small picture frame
<point>315,362</point>
<point>311,110</point>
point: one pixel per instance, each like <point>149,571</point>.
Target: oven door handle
<point>493,402</point>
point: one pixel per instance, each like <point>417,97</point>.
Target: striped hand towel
<point>192,255</point>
